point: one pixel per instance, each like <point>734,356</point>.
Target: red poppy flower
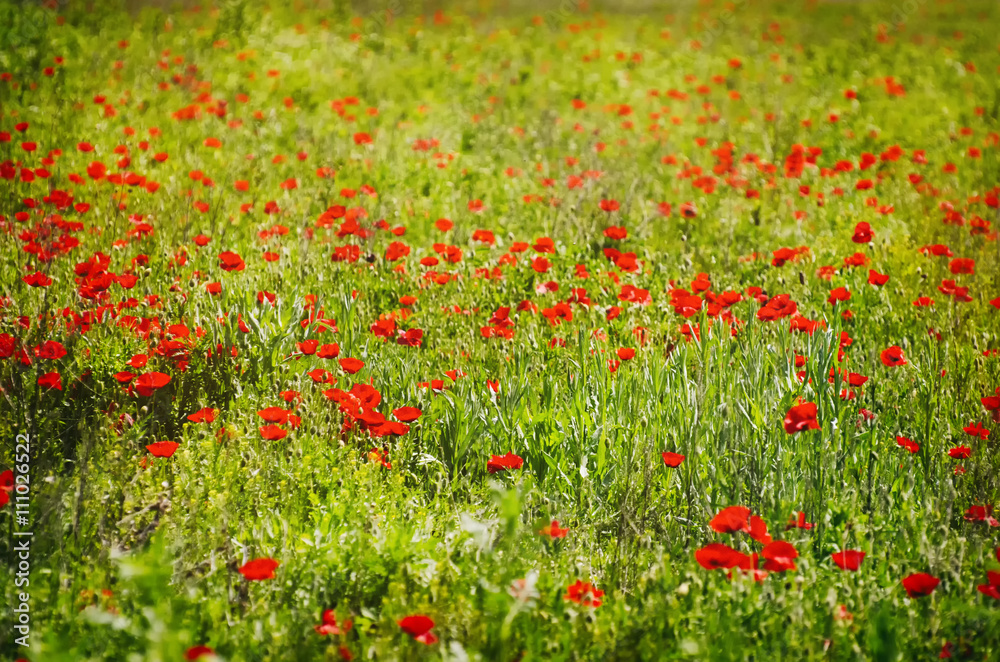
<point>124,377</point>
<point>307,347</point>
<point>540,265</point>
<point>981,514</point>
<point>991,402</point>
<point>716,555</point>
<point>330,626</point>
<point>504,463</point>
<point>230,261</point>
<point>616,232</point>
<point>856,260</point>
<point>626,353</point>
<point>862,233</point>
<point>274,415</point>
<point>411,338</point>
<point>960,452</point>
<point>162,448</point>
<point>849,559</point>
<point>584,594</point>
<point>128,281</point>
<point>206,415</point>
<point>838,294</point>
<point>893,356</point>
<point>406,414</point>
<point>731,520</point>
<point>977,431</point>
<point>37,279</point>
<point>553,530</point>
<point>962,265</point>
<point>397,250</point>
<point>259,569</point>
<point>330,351</point>
<point>908,444</point>
<point>197,652</point>
<point>801,417</point>
<point>672,460</point>
<point>351,365</point>
<point>51,380</point>
<point>148,383</point>
<point>798,521</point>
<point>418,627</point>
<point>920,584</point>
<point>780,556</point>
<point>273,433</point>
<point>484,236</point>
<point>758,530</point>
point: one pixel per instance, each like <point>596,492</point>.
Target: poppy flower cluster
<point>777,555</point>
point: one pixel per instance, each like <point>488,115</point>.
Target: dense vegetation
<point>502,332</point>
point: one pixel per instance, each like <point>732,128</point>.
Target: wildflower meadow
<point>499,330</point>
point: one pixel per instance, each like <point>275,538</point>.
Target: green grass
<point>136,557</point>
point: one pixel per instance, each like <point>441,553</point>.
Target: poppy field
<point>500,330</point>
